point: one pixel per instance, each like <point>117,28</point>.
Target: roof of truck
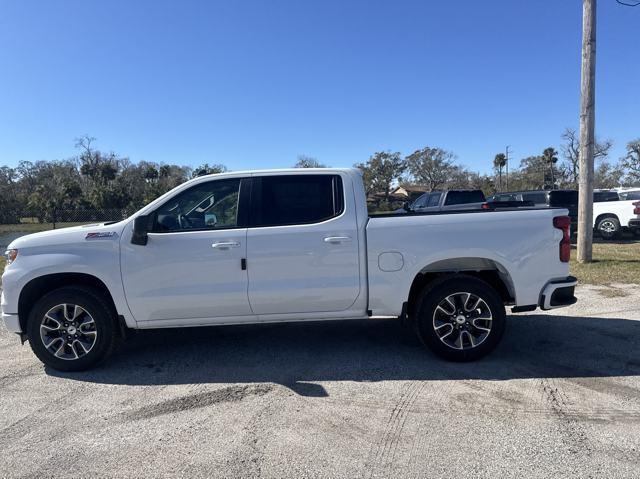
<point>285,171</point>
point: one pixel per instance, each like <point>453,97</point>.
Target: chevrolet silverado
<point>283,245</point>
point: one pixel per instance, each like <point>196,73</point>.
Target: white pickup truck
<point>611,218</point>
<point>283,245</point>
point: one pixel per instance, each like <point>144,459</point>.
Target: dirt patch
<point>200,400</point>
<point>613,292</point>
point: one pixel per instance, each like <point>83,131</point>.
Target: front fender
<point>98,259</point>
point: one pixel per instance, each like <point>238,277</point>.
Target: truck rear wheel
<point>72,328</point>
<point>460,318</point>
<point>609,228</point>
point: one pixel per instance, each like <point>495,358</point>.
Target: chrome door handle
<point>337,239</point>
<point>225,245</point>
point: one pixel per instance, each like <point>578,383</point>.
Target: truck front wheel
<point>460,318</point>
<point>72,328</point>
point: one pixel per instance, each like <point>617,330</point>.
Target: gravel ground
<point>560,397</point>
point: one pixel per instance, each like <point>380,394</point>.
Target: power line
<point>629,4</point>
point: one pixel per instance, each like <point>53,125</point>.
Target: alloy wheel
<point>68,331</point>
<point>608,227</point>
<point>462,320</point>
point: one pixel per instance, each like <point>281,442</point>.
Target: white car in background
<point>611,218</point>
<point>611,214</point>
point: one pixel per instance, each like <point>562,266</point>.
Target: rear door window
<point>295,199</point>
<point>464,197</point>
<point>600,196</point>
<point>537,197</point>
<point>563,198</point>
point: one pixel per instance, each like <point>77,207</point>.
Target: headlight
<point>11,255</point>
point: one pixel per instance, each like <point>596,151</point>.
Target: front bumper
<point>11,322</point>
<point>558,293</point>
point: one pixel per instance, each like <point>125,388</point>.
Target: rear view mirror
<point>140,230</point>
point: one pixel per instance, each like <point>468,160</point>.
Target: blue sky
<point>257,83</point>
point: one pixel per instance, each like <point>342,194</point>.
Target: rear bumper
<point>634,224</point>
<point>558,293</point>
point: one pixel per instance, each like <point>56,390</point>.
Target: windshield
<point>630,195</point>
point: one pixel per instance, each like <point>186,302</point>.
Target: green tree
<point>9,200</point>
<point>431,167</point>
<point>380,171</point>
<point>607,175</point>
<point>207,169</point>
<point>530,175</point>
<point>486,183</point>
<point>58,188</point>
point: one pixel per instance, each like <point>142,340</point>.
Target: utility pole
<point>587,132</point>
<point>506,154</point>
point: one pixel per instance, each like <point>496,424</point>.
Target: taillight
<point>636,210</point>
<point>564,223</point>
<point>485,206</point>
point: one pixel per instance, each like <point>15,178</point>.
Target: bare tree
<point>571,153</point>
<point>631,161</point>
<point>84,142</point>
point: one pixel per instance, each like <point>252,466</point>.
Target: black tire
<point>437,292</point>
<point>104,325</point>
<point>609,228</point>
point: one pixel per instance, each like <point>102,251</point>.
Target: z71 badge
<point>105,234</point>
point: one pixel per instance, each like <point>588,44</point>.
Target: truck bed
<point>521,244</point>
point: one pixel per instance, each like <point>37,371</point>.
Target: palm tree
<point>498,162</point>
<point>550,157</point>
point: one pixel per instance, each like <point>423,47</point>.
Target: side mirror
<point>406,206</point>
<point>140,230</point>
